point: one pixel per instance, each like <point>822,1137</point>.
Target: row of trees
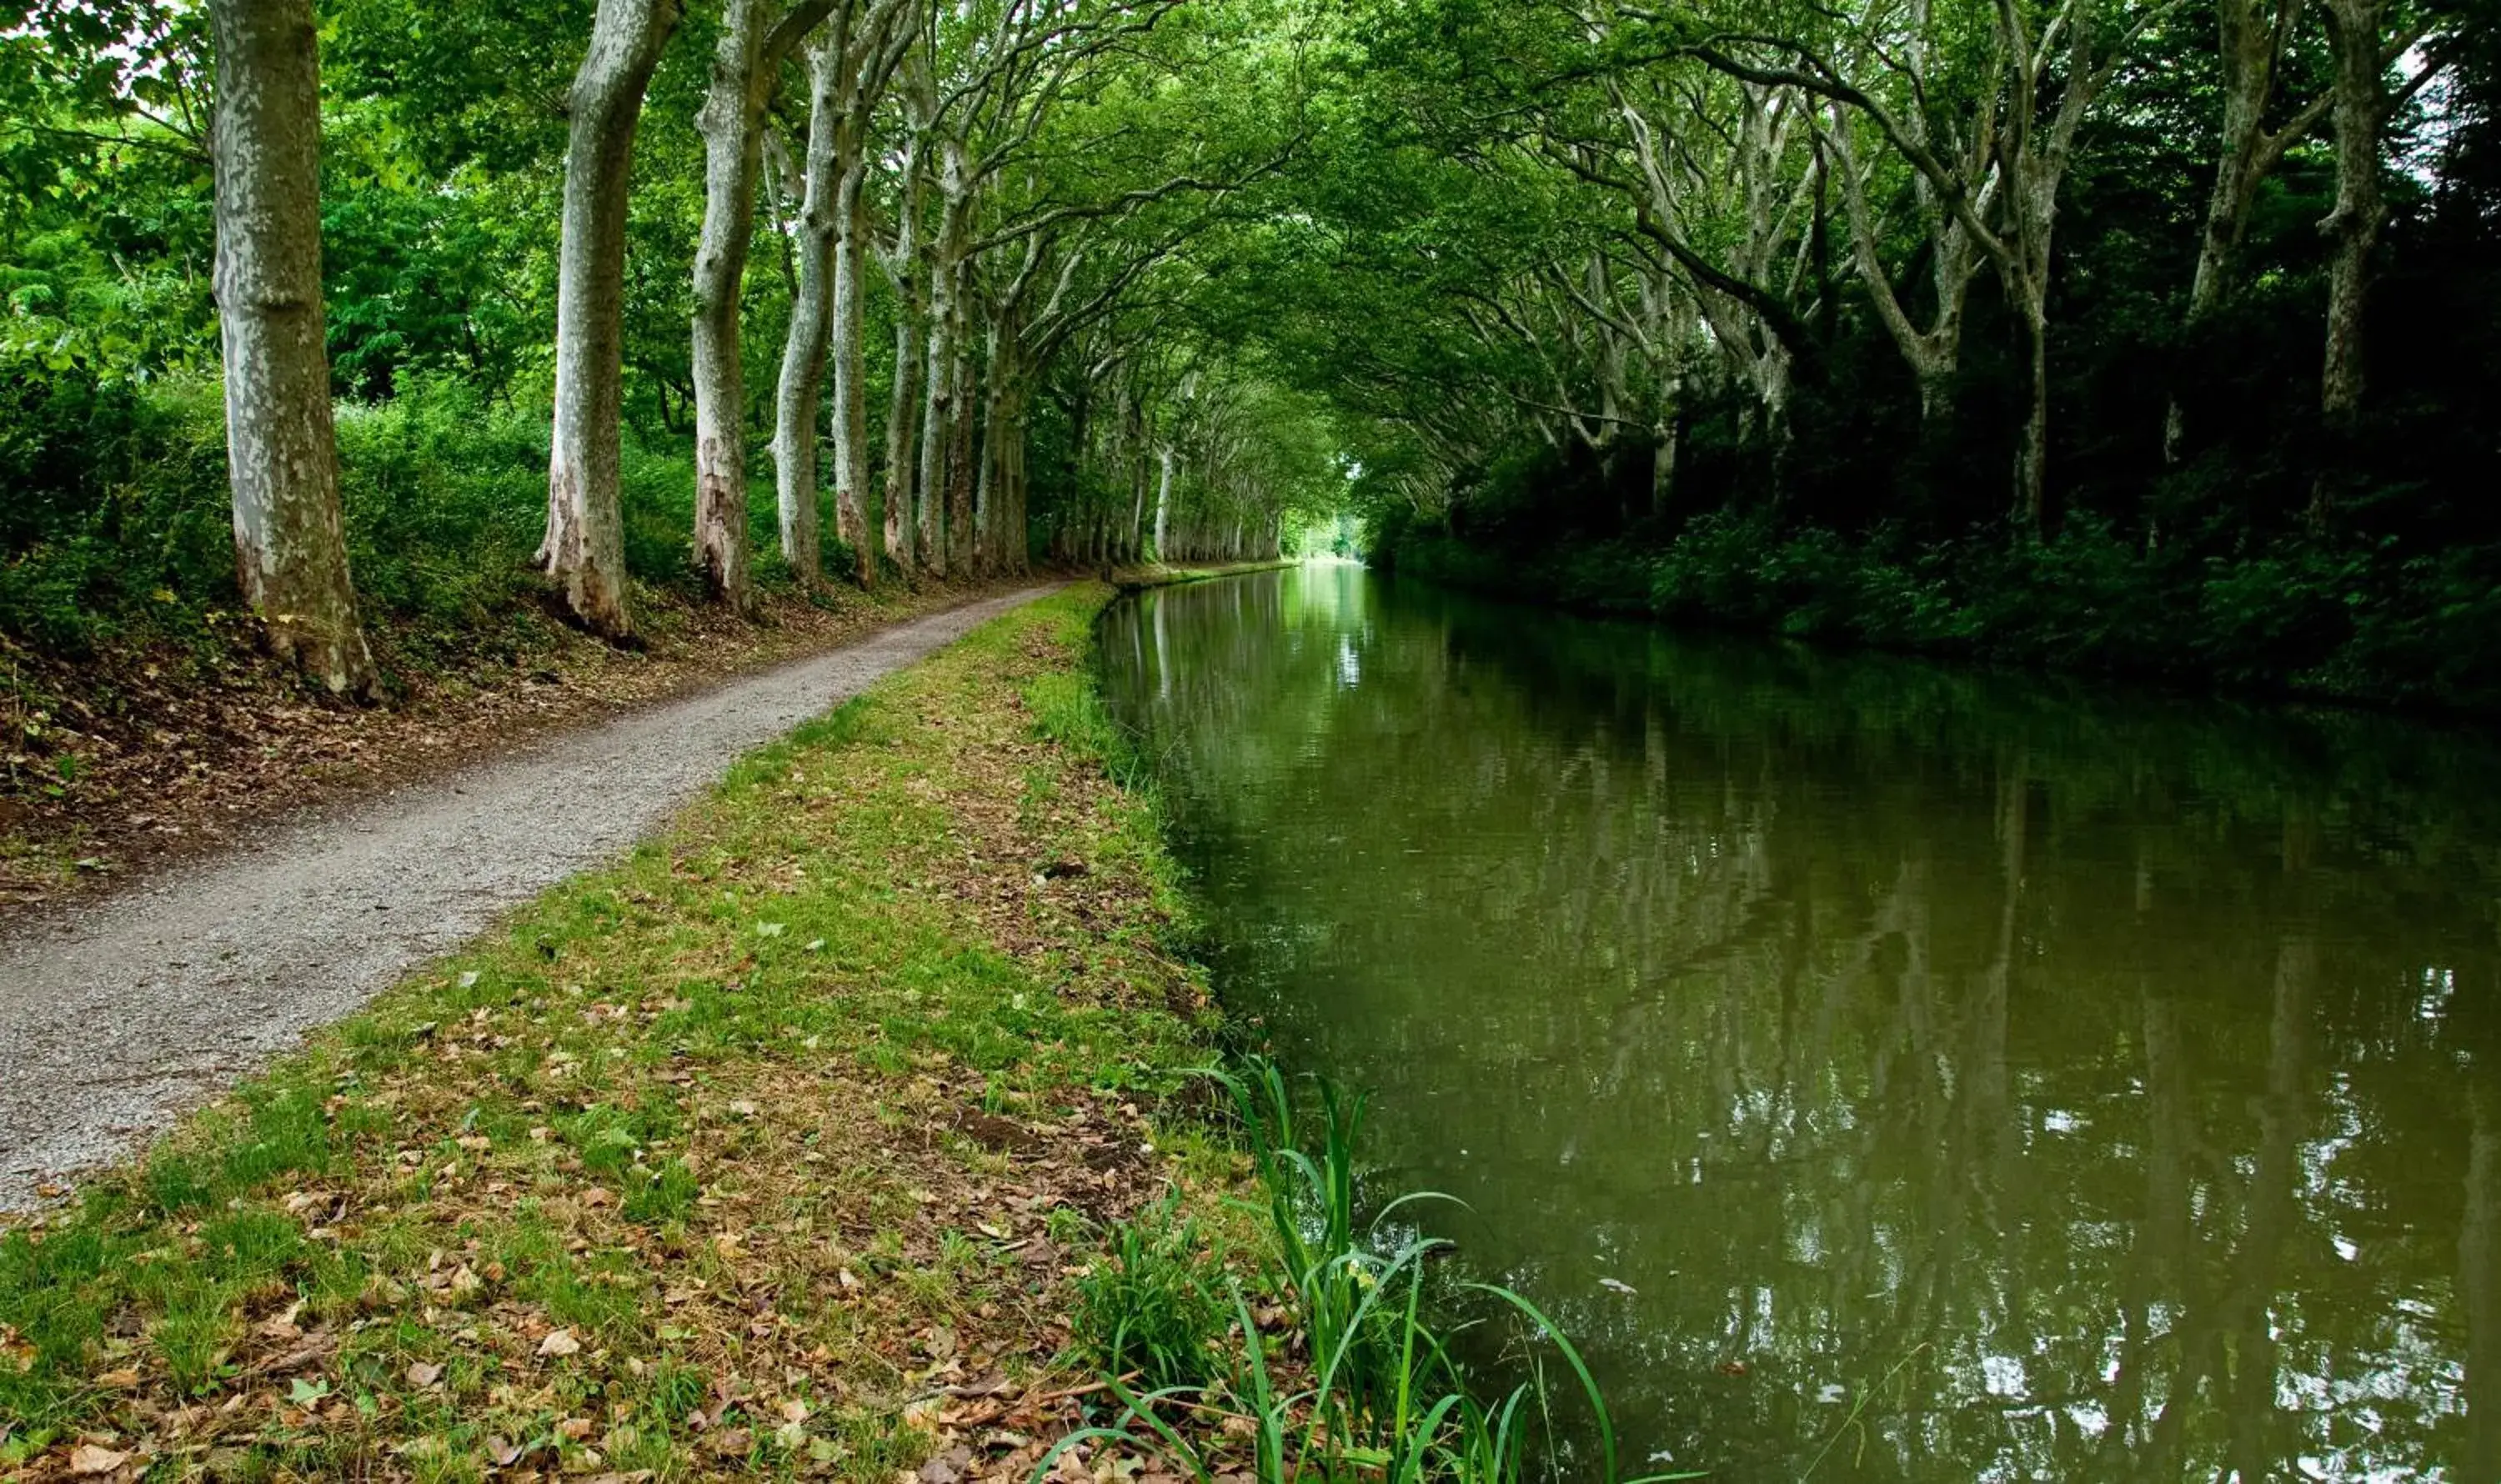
<point>985,216</point>
<point>2208,285</point>
<point>1840,260</point>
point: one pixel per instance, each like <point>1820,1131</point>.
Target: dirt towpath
<point>117,1015</point>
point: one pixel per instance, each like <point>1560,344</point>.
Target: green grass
<point>1154,1306</point>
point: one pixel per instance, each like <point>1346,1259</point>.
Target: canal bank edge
<point>780,1146</point>
<point>1139,579</point>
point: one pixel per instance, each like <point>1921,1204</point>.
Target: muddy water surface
<point>1887,1071</point>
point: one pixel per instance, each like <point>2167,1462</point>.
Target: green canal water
<point>1885,1071</point>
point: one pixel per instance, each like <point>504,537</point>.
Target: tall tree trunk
<point>1932,354</point>
<point>585,548</point>
<point>1163,503</point>
<point>283,460</point>
<point>904,271</point>
<point>998,509</point>
<point>1020,518</point>
<point>1663,465</point>
<point>942,453</point>
<point>730,123</point>
<point>2254,34</point>
<point>901,472</point>
<point>2024,270</point>
<point>850,366</point>
<point>812,312</point>
<point>2032,454</point>
<point>2360,110</point>
<point>960,540</point>
<point>988,487</point>
<point>937,424</point>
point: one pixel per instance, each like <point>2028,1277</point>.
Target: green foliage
<point>2301,614</point>
<point>1154,1306</point>
<point>122,530</point>
<point>1430,283</point>
<point>119,508</point>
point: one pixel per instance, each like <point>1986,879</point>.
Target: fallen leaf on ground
<point>282,1325</point>
<point>560,1342</point>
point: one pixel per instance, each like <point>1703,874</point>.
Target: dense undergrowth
<point>117,529</point>
<point>2371,623</point>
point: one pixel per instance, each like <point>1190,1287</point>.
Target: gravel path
<point>117,1016</point>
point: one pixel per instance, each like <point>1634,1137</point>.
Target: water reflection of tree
<point>2109,1081</point>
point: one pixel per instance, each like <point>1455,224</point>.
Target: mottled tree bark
<point>2360,110</point>
<point>1017,559</point>
<point>755,39</point>
<point>990,488</point>
<point>1933,353</point>
<point>281,455</point>
<point>1133,541</point>
<point>584,550</point>
<point>903,269</point>
<point>960,541</point>
<point>1163,502</point>
<point>937,424</point>
<point>850,365</point>
<point>812,312</point>
<point>944,410</point>
<point>2253,35</point>
<point>2049,82</point>
<point>902,468</point>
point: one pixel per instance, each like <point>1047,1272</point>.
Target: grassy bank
<point>854,1129</point>
<point>766,1151</point>
<point>2333,620</point>
<point>1160,575</point>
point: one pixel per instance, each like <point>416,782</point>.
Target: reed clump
<point>1353,1375</point>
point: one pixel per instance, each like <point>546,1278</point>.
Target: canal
<point>1883,1071</point>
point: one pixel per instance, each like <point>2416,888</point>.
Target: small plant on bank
<point>1362,1384</point>
<point>1157,1304</point>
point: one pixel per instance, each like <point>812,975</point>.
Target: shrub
<point>2303,614</point>
<point>119,523</point>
